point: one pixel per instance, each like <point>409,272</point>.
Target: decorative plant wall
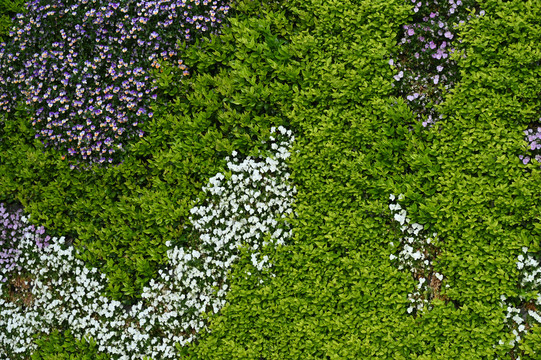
<point>212,234</point>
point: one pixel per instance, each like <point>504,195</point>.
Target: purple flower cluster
<point>425,69</point>
<point>81,67</point>
<point>12,227</point>
<point>533,137</point>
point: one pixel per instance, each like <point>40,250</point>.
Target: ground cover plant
<point>447,269</point>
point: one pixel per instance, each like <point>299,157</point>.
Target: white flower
<point>535,315</point>
<point>394,207</point>
<point>416,228</point>
<point>400,218</point>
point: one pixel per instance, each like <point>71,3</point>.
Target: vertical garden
<point>270,180</point>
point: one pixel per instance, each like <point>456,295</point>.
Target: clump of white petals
<point>241,211</point>
<point>416,253</point>
<point>520,319</point>
<point>65,294</point>
<point>530,270</point>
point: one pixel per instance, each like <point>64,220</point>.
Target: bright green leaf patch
<point>64,346</point>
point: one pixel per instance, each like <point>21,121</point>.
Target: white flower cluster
<point>515,316</point>
<point>531,271</point>
<point>67,295</point>
<point>415,253</point>
<point>240,211</point>
<point>519,319</point>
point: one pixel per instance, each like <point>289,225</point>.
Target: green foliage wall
<point>320,68</point>
<point>335,294</point>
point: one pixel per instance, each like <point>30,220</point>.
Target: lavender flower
<point>424,50</point>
